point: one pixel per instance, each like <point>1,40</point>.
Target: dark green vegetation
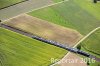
<point>19,50</point>
<point>72,15</point>
<point>92,45</point>
<point>5,3</point>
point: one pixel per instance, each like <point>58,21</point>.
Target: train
<point>57,44</point>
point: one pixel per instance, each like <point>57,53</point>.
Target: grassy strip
<point>69,14</point>
<point>8,3</point>
<point>19,50</point>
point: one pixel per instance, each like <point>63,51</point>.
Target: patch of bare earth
<point>71,60</point>
<point>45,29</point>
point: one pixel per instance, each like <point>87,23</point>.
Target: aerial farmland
<point>71,14</point>
<point>49,33</point>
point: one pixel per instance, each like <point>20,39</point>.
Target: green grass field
<point>19,50</point>
<point>72,15</point>
<point>92,45</point>
<point>5,3</point>
<point>90,7</point>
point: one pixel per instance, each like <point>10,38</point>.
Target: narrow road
<point>22,8</point>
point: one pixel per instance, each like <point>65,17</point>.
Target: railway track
<point>57,44</point>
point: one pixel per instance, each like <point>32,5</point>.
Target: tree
<point>79,47</point>
<point>95,1</point>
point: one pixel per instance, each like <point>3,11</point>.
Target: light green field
<point>5,3</point>
<point>71,14</point>
<point>92,45</point>
<point>19,50</point>
<point>90,7</point>
<point>95,64</point>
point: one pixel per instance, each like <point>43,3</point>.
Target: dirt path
<point>22,8</point>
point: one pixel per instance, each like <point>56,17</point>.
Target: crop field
<point>72,15</point>
<point>5,3</point>
<point>19,50</point>
<point>90,7</point>
<point>45,29</point>
<point>92,45</point>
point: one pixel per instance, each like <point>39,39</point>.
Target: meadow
<point>19,50</point>
<point>71,14</point>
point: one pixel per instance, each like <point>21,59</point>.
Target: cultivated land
<point>81,15</point>
<point>72,15</point>
<point>19,50</point>
<point>23,8</point>
<point>92,45</point>
<point>90,7</point>
<point>45,29</point>
<point>5,3</point>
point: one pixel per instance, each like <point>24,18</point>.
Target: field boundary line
<point>87,36</point>
<point>79,43</point>
<point>37,9</point>
<point>13,4</point>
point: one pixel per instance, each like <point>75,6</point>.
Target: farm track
<point>61,46</point>
<point>22,8</point>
